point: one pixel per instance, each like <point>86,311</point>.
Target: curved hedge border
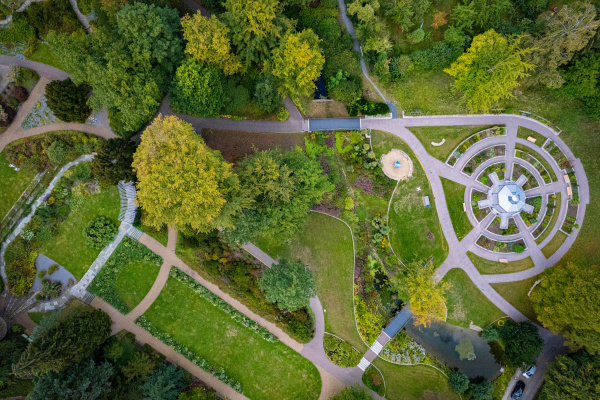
<point>166,338</point>
<point>222,305</point>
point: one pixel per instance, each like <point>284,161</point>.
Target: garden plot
<point>537,161</point>
<point>471,140</point>
<point>570,220</point>
<point>558,155</point>
<point>499,168</point>
<point>494,227</point>
<point>480,214</point>
<point>39,115</point>
<point>550,217</point>
<point>478,159</point>
<point>515,246</point>
<point>534,217</point>
<point>519,170</point>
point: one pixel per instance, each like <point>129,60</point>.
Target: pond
<point>440,338</point>
<point>320,89</point>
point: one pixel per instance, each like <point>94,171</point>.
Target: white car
<point>529,371</point>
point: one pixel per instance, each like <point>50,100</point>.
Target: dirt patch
<point>365,183</point>
<point>234,144</point>
<point>326,109</point>
<point>430,236</point>
<point>231,331</point>
<point>399,172</point>
<point>330,141</point>
<point>325,209</point>
<point>324,165</point>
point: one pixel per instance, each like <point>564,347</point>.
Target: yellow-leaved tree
<point>181,181</point>
<point>297,62</point>
<point>417,286</point>
<point>208,43</point>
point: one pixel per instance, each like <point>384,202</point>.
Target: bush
<point>18,31</point>
<point>20,93</point>
<point>236,96</point>
<point>348,91</point>
<point>20,275</point>
<point>340,352</point>
<point>417,35</point>
<point>367,107</point>
<point>283,114</point>
<point>458,381</point>
<point>68,101</point>
<point>490,333</point>
<point>57,152</point>
<point>53,269</point>
<point>265,94</point>
<point>100,232</point>
<point>51,290</point>
<point>518,248</point>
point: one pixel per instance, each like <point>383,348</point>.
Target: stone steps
<point>134,233</point>
<point>363,364</point>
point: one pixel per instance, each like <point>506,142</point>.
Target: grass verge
<point>455,198</point>
<point>516,294</point>
<point>488,267</point>
<point>554,244</point>
<point>12,185</point>
<point>44,55</point>
<point>524,133</point>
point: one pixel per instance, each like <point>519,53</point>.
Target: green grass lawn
<point>265,370</point>
<point>44,55</point>
<point>134,282</point>
<point>412,382</point>
<point>524,133</point>
<point>466,303</point>
<point>12,185</point>
<point>454,135</point>
<point>410,222</point>
<point>325,245</point>
<point>494,267</point>
<point>554,244</point>
<point>516,294</point>
<point>68,247</point>
<point>161,235</point>
<point>455,198</point>
<point>37,316</point>
<point>553,219</point>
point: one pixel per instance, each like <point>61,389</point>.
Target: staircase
<point>128,208</point>
<point>363,364</point>
<point>376,347</point>
<point>87,297</point>
<point>134,233</point>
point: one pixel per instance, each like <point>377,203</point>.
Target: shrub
<point>20,93</point>
<point>100,232</point>
<point>236,96</point>
<point>265,94</point>
<point>51,289</point>
<point>53,268</point>
<point>42,274</point>
<point>490,333</point>
<point>57,152</point>
<point>458,381</point>
<point>417,35</point>
<point>340,352</point>
<point>68,101</point>
<point>283,114</point>
<point>517,248</point>
<point>20,275</point>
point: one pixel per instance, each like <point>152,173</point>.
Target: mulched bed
<point>365,184</point>
<point>325,209</point>
<point>234,144</point>
<point>324,164</point>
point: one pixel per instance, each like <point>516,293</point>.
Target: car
<point>518,390</point>
<point>529,371</point>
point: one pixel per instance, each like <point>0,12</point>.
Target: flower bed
<point>519,170</point>
<point>481,157</point>
<point>340,352</point>
<point>480,214</point>
<point>499,168</point>
<point>571,218</point>
<point>526,156</point>
<point>402,349</point>
<point>166,338</point>
<point>550,209</point>
<point>532,218</point>
<point>558,155</point>
<point>574,186</point>
<point>494,227</point>
<point>471,140</point>
<point>516,246</point>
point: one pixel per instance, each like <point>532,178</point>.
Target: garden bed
<point>550,217</point>
<point>481,157</point>
<point>494,227</point>
<point>571,218</point>
<point>340,352</point>
<point>538,162</point>
<point>524,133</point>
<point>499,168</point>
<point>558,155</point>
<point>535,216</point>
<point>40,115</point>
<point>476,196</point>
<point>501,247</point>
<point>518,170</point>
<point>471,140</point>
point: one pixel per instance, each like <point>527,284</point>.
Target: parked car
<point>529,371</point>
<point>518,390</point>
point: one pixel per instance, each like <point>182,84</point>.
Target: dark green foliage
<point>20,274</point>
<point>57,152</point>
<point>139,367</point>
<point>53,15</point>
<point>266,95</point>
<point>100,232</point>
<point>19,31</point>
<point>458,381</point>
<point>199,393</point>
<point>522,343</point>
<point>582,82</point>
<point>518,248</point>
<point>165,384</point>
<point>367,107</point>
<point>68,101</point>
<point>197,90</point>
<point>113,162</point>
<point>438,56</point>
<point>290,284</point>
<point>11,349</point>
<point>490,333</point>
<point>481,391</point>
<point>348,91</point>
<point>575,376</point>
<point>236,96</point>
<point>329,30</point>
<point>85,380</point>
<point>51,290</point>
<point>340,352</point>
<point>353,393</point>
<point>59,343</point>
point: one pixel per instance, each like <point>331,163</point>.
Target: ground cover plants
<point>340,352</point>
<point>127,276</point>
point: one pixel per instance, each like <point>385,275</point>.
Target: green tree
<point>297,63</point>
<point>57,152</point>
<point>566,32</point>
<point>62,342</point>
<point>68,101</point>
<point>208,42</point>
<point>522,343</point>
<point>353,393</point>
<point>181,181</point>
<point>489,70</point>
<point>266,95</point>
<point>490,333</point>
<point>481,14</point>
<point>199,393</point>
<point>278,188</point>
<point>139,367</point>
<point>458,381</point>
<point>85,380</point>
<point>290,284</point>
<point>567,302</point>
<point>483,390</point>
<point>197,90</point>
<point>582,82</point>
<point>100,232</point>
<point>165,384</point>
<point>465,349</point>
<point>575,376</point>
<point>113,160</point>
<point>407,13</point>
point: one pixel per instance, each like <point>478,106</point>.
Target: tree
<point>465,349</point>
<point>57,152</point>
<point>458,381</point>
<point>522,343</point>
<point>483,390</point>
<point>489,70</point>
<point>417,286</point>
<point>113,160</point>
<point>208,42</point>
<point>490,333</point>
<point>60,343</point>
<point>138,368</point>
<point>199,393</point>
<point>290,284</point>
<point>278,189</point>
<point>575,376</point>
<point>181,181</point>
<point>567,302</point>
<point>439,20</point>
<point>297,63</point>
<point>483,14</point>
<point>165,384</point>
<point>353,393</point>
<point>83,381</point>
<point>68,101</point>
<point>567,31</point>
<point>266,95</point>
<point>100,232</point>
<point>255,27</point>
<point>197,90</point>
<point>582,82</point>
<point>408,13</point>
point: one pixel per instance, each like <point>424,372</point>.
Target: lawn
<point>553,219</point>
<point>44,55</point>
<point>488,267</point>
<point>161,235</point>
<point>524,133</point>
<point>134,282</point>
<point>415,231</point>
<point>266,370</point>
<point>12,185</point>
<point>466,303</point>
<point>554,244</point>
<point>408,382</point>
<point>325,245</point>
<point>454,135</point>
<point>455,198</point>
<point>516,294</point>
<point>68,247</point>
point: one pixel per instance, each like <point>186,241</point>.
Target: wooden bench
<point>532,139</point>
<point>464,207</point>
<point>503,260</point>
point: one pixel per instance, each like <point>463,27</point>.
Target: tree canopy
<point>489,70</point>
<point>575,376</point>
<point>522,343</point>
<point>197,90</point>
<point>181,181</point>
<point>353,393</point>
<point>68,101</point>
<point>567,302</point>
<point>289,283</point>
<point>113,160</point>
